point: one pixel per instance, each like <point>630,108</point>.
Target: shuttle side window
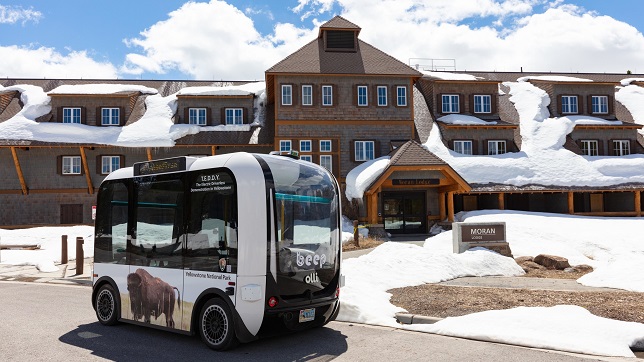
<point>111,224</point>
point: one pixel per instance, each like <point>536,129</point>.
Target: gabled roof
<point>338,23</point>
<point>413,153</point>
<point>312,59</point>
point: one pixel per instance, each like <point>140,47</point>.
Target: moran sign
<point>469,235</point>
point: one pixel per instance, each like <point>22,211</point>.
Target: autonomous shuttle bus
<point>231,247</point>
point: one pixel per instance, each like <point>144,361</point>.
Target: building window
<point>110,163</point>
<point>326,161</point>
<point>110,117</point>
<point>569,104</point>
<point>71,115</point>
<point>401,96</point>
<point>285,146</point>
<point>590,147</point>
<point>234,116</point>
<point>306,158</point>
<point>327,95</point>
<point>382,96</point>
<point>362,96</point>
<point>496,147</point>
<point>482,104</point>
<point>287,94</point>
<point>463,147</point>
<point>600,104</point>
<point>307,95</point>
<point>364,150</point>
<point>305,146</point>
<point>621,147</point>
<point>450,103</point>
<point>197,116</point>
<point>325,146</point>
<point>71,165</point>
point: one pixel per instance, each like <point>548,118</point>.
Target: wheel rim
<point>214,325</point>
<point>105,305</point>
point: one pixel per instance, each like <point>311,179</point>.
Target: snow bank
<point>464,120</point>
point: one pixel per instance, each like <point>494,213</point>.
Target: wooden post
<point>80,256</point>
<point>356,234</point>
<point>450,206</point>
<point>441,206</point>
<point>149,152</point>
<point>21,178</point>
<point>638,203</point>
<point>63,251</point>
<point>88,176</point>
<point>501,201</point>
<point>373,208</point>
<point>571,203</point>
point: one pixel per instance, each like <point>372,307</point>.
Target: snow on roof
<point>632,97</point>
<point>101,89</point>
<point>449,76</point>
<point>462,119</point>
<point>362,176</point>
<point>628,81</point>
<point>255,88</point>
<point>553,78</point>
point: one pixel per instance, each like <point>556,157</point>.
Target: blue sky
<point>238,39</point>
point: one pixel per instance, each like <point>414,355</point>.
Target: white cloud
<point>43,62</point>
<point>213,41</point>
<point>14,14</point>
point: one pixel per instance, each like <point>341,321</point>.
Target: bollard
<point>80,257</point>
<point>356,234</point>
<point>63,250</point>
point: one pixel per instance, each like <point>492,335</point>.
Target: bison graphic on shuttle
<point>150,296</point>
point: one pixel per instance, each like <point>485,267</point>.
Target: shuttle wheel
<point>106,305</point>
<point>216,325</point>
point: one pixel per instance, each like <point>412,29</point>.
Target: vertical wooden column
<point>373,208</point>
<point>571,203</point>
<point>213,150</point>
<point>638,202</point>
<point>450,206</point>
<point>21,178</point>
<point>501,201</point>
<point>88,176</point>
<point>441,206</point>
<point>149,152</point>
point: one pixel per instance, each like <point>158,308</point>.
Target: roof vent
<point>340,40</point>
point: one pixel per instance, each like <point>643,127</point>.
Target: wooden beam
<point>213,150</point>
<point>501,201</point>
<point>450,206</point>
<point>638,203</point>
<point>571,203</point>
<point>88,176</point>
<point>16,162</point>
<point>373,208</point>
<point>148,150</point>
<point>441,206</point>
<point>450,188</point>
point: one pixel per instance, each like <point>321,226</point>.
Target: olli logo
<point>312,278</point>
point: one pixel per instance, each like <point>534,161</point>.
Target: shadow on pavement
<point>126,342</point>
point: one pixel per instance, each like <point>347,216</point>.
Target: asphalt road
<point>44,322</point>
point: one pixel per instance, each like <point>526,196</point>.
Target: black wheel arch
<point>242,333</point>
<point>100,282</point>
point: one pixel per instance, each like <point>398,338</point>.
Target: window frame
<point>329,159</point>
<point>381,96</point>
<point>310,147</point>
<point>463,142</point>
<point>599,105</point>
<point>324,149</point>
<point>288,96</point>
<point>308,158</point>
<point>362,100</point>
<point>325,96</point>
<point>569,105</point>
<point>110,116</point>
<point>403,97</point>
<point>72,166</point>
<point>482,104</point>
<point>496,148</point>
<point>450,104</point>
<point>587,151</point>
<point>72,117</point>
<point>198,116</point>
<point>235,118</point>
<point>310,96</point>
<point>110,164</point>
<point>284,143</point>
<point>621,150</point>
<point>362,146</point>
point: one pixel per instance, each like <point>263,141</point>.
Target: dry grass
<point>365,243</point>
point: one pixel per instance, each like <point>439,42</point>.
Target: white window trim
<point>308,158</point>
<point>589,149</point>
<point>462,143</point>
<point>378,88</point>
<point>496,143</point>
<point>622,149</point>
<point>482,96</point>
<point>449,104</point>
<point>234,118</point>
<point>80,115</point>
<point>592,98</point>
<point>198,120</point>
<point>310,87</point>
<point>330,161</point>
<point>310,146</point>
<point>570,105</point>
<point>330,146</point>
<point>290,95</point>
<point>366,96</point>
<point>110,116</point>
<point>404,104</point>
<point>330,95</point>
<point>71,160</point>
<point>285,142</point>
<point>107,161</point>
<point>362,145</point>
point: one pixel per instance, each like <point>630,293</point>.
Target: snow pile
<point>359,179</point>
<point>632,97</point>
<point>102,89</point>
<point>449,76</point>
<point>553,78</point>
<point>628,81</point>
<point>462,119</point>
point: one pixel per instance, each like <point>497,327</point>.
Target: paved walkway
<point>66,274</point>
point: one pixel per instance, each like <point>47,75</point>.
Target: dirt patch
<point>365,243</point>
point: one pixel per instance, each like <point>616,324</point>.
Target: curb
<point>404,318</point>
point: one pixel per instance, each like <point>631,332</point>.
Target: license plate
<point>307,315</point>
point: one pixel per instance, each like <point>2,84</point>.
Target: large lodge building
<point>341,103</point>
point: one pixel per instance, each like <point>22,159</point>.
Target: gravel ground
<point>442,301</point>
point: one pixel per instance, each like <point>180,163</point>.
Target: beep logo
<point>310,260</point>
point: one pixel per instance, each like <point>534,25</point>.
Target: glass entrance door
<point>404,212</point>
